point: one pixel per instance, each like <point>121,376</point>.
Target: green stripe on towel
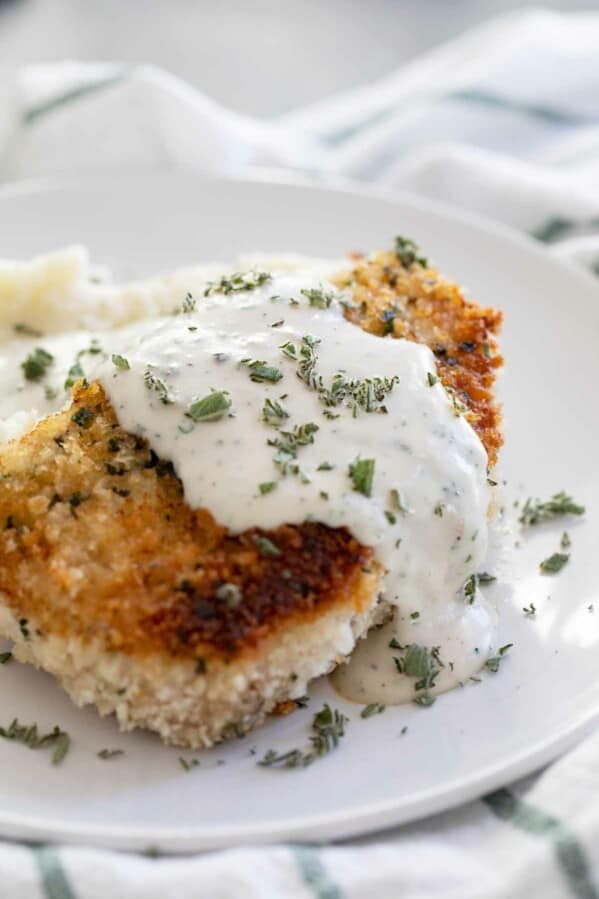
<point>55,884</point>
<point>36,112</point>
<point>570,854</point>
<point>557,228</point>
<point>314,873</point>
<point>532,110</point>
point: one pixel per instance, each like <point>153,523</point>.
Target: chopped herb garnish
<point>388,319</point>
<point>76,371</point>
<point>431,379</point>
<point>5,657</point>
<point>425,700</point>
<point>414,615</point>
<point>325,466</point>
<point>361,473</point>
<point>210,408</point>
<point>187,765</point>
<point>398,501</point>
<point>457,405</point>
<point>108,754</point>
<point>530,610</point>
<point>535,511</point>
<point>366,395</point>
<point>470,588</point>
<point>375,708</point>
<point>390,516</point>
<point>260,371</point>
<point>24,628</point>
<point>288,443</point>
<point>153,382</point>
<point>267,487</point>
<point>439,509</point>
<point>421,663</point>
<point>565,542</point>
<point>58,739</point>
<point>289,349</point>
<point>188,304</point>
<point>266,547</point>
<point>120,362</point>
<point>93,349</point>
<point>554,563</point>
<point>328,728</point>
<point>307,362</point>
<point>26,330</point>
<point>83,417</point>
<point>318,297</point>
<point>36,365</point>
<point>75,374</point>
<point>237,282</point>
<point>50,392</point>
<point>278,323</point>
<point>408,252</point>
<point>495,661</point>
<point>273,413</point>
<point>485,578</point>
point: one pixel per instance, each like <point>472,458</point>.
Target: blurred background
<point>261,57</point>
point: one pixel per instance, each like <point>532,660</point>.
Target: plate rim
<point>278,177</point>
<point>338,826</point>
<point>342,824</point>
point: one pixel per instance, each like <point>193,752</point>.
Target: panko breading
<point>417,303</point>
<point>150,609</point>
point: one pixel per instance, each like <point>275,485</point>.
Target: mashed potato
<point>62,291</point>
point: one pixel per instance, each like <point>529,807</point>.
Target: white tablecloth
<point>504,121</point>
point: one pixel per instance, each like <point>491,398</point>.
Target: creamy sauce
<point>426,512</point>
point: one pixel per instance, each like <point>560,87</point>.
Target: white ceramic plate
<point>546,695</point>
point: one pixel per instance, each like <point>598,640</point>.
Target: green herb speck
<point>120,362</point>
<point>361,473</point>
<point>212,407</point>
<point>554,563</point>
<point>36,365</point>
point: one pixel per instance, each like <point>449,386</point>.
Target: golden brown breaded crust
<point>97,541</point>
<point>415,302</point>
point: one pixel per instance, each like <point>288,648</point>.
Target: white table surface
<point>258,56</point>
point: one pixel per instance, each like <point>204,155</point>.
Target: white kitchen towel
<point>503,121</point>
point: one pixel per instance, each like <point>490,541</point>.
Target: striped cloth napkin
<point>503,121</point>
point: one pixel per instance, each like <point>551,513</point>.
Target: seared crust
<point>415,302</point>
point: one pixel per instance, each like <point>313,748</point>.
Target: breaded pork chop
<point>149,609</point>
<point>137,603</point>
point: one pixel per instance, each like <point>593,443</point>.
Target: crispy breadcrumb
<point>415,302</point>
